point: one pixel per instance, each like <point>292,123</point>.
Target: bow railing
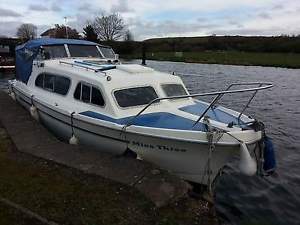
<point>218,94</point>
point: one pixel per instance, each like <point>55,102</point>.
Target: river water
<point>254,200</point>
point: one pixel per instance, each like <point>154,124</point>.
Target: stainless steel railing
<point>219,95</point>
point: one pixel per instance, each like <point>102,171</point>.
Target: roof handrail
<point>82,66</point>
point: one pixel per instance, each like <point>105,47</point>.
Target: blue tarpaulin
<point>26,53</point>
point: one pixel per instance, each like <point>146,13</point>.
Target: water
<point>254,200</point>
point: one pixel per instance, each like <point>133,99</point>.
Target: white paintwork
<point>183,152</point>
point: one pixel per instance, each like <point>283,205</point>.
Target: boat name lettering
<point>160,147</point>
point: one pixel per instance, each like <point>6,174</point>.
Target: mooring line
<point>26,211</point>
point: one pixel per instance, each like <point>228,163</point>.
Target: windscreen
<point>84,51</point>
<point>135,96</point>
<point>107,52</point>
<point>54,51</point>
<point>173,90</point>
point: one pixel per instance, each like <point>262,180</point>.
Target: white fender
<point>247,165</point>
<point>73,140</point>
<point>34,113</point>
<point>13,96</point>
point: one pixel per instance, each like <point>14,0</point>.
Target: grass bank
<point>287,60</point>
<point>68,196</point>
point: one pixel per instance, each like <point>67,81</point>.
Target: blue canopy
<point>26,53</point>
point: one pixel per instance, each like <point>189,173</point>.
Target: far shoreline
<point>263,59</point>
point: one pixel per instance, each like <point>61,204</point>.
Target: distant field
<point>288,60</point>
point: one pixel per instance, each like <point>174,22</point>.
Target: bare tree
<point>109,28</point>
<point>27,31</point>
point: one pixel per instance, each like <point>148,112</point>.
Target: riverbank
<point>69,196</point>
<point>286,60</point>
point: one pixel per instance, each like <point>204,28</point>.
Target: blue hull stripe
<point>157,120</point>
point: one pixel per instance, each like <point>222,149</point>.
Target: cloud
<point>9,29</point>
<point>278,7</point>
<point>121,7</point>
<point>36,7</point>
<point>55,7</point>
<point>168,28</point>
<point>85,7</point>
<point>9,13</point>
<point>264,15</point>
<point>156,18</point>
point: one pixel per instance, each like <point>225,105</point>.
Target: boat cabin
<point>85,76</point>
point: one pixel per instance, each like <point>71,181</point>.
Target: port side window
<point>49,82</point>
<point>86,93</point>
<point>53,83</point>
<point>135,96</point>
<point>97,98</point>
<point>61,85</point>
<point>77,92</point>
<point>173,90</point>
<point>89,94</point>
<point>39,82</point>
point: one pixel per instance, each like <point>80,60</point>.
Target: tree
<point>27,31</point>
<point>61,31</point>
<point>109,28</point>
<point>89,33</point>
<point>128,36</point>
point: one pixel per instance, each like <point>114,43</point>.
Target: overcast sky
<point>160,18</point>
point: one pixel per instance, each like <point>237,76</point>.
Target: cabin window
<point>61,85</point>
<point>107,52</point>
<point>89,94</point>
<point>53,83</point>
<point>97,98</point>
<point>84,51</point>
<point>135,96</point>
<point>54,51</point>
<point>174,90</point>
<point>39,82</point>
<point>49,82</point>
<point>86,93</point>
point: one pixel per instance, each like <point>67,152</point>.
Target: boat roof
<point>128,74</point>
<point>26,53</point>
<point>36,43</point>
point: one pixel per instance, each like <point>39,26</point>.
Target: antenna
<point>66,27</point>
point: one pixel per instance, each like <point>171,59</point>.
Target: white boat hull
<point>183,158</point>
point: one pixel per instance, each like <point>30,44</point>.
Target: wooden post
<point>144,54</point>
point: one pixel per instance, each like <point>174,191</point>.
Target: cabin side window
<point>173,90</point>
<point>89,94</point>
<point>53,83</point>
<point>135,96</point>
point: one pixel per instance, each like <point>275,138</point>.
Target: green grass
<point>288,60</point>
<point>68,196</point>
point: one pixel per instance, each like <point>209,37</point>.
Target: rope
<point>213,137</point>
<point>31,99</point>
<point>72,114</point>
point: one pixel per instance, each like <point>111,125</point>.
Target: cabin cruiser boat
<point>81,92</point>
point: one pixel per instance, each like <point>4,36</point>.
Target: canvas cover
<point>26,53</point>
